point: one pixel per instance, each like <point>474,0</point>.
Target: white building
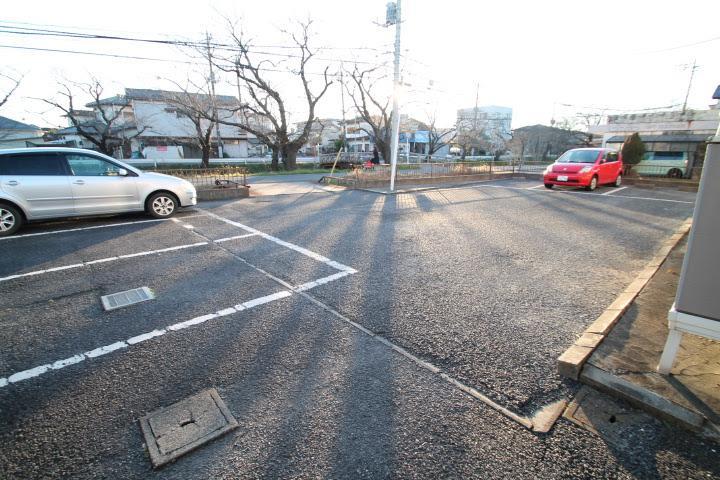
<point>324,132</point>
<point>14,134</point>
<point>165,133</point>
<point>492,119</point>
<point>668,131</point>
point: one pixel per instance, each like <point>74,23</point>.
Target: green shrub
<point>633,150</point>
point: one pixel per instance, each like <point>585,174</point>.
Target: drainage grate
<point>128,297</point>
<point>174,431</point>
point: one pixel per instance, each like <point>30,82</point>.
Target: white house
<point>14,134</point>
<point>165,132</point>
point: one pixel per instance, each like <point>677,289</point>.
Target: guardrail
<point>211,178</point>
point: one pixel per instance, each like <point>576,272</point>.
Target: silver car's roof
<point>49,149</point>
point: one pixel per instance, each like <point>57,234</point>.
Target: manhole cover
<point>128,297</point>
<point>175,430</point>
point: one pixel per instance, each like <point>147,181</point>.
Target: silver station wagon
<point>43,183</point>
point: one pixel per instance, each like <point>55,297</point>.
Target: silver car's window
<point>32,164</point>
<point>88,166</point>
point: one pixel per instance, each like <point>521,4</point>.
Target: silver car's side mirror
<point>122,172</point>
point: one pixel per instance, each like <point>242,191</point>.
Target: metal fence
<point>211,178</point>
<point>447,169</point>
<point>670,171</point>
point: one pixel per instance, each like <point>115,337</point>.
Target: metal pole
<point>212,92</point>
<point>687,95</point>
<point>396,93</point>
<point>342,101</point>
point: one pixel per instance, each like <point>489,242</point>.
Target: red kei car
<point>585,167</point>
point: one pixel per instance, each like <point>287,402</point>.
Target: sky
<point>546,60</point>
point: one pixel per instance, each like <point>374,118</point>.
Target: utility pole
<point>396,93</point>
<point>212,95</point>
<point>475,115</point>
<point>692,74</point>
<point>342,101</point>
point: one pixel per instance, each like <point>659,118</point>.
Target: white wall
<point>238,150</point>
<point>162,123</point>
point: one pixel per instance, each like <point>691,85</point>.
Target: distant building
<point>165,132</point>
<point>491,118</point>
<point>324,133</point>
<point>483,129</point>
<point>669,131</point>
<point>14,134</point>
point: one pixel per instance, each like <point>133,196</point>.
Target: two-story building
<point>155,127</point>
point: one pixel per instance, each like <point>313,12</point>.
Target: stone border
<point>365,184</point>
<point>223,193</point>
<point>573,359</point>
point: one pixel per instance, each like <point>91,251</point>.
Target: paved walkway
<point>632,350</point>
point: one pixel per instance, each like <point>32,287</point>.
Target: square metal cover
<point>128,297</point>
<point>173,431</point>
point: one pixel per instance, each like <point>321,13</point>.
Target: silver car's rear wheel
<point>162,205</point>
<point>10,220</point>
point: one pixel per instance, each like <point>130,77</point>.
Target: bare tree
<point>14,84</point>
<point>372,108</point>
<point>265,114</point>
<point>437,137</point>
<point>470,135</point>
<point>198,108</point>
<point>110,129</point>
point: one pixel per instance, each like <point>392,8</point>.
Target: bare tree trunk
<point>290,157</point>
<point>205,162</point>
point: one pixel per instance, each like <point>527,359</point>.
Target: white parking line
<point>82,228</point>
<point>610,192</point>
<point>104,350</point>
<point>102,260</point>
<point>533,188</point>
<point>236,237</point>
<point>291,246</point>
<point>300,289</point>
<point>587,193</point>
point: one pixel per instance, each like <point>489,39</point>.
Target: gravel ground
<point>489,284</point>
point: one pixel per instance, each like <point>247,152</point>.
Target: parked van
<point>666,164</point>
<point>42,183</point>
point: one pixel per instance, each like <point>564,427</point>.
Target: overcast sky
<point>536,57</point>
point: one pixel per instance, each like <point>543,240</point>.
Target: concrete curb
<point>222,193</point>
<point>571,362</point>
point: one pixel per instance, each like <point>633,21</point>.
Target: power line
<point>714,39</point>
<point>376,49</point>
<point>181,43</point>
<point>133,57</point>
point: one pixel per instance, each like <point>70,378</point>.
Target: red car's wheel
<point>593,184</point>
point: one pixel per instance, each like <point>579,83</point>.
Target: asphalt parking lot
<point>279,303</point>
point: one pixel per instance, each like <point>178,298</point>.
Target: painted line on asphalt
<point>533,188</point>
<point>291,246</point>
<point>610,192</point>
<point>94,227</point>
<point>587,193</point>
<point>345,271</point>
<point>101,260</point>
<point>236,237</point>
<point>104,350</point>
